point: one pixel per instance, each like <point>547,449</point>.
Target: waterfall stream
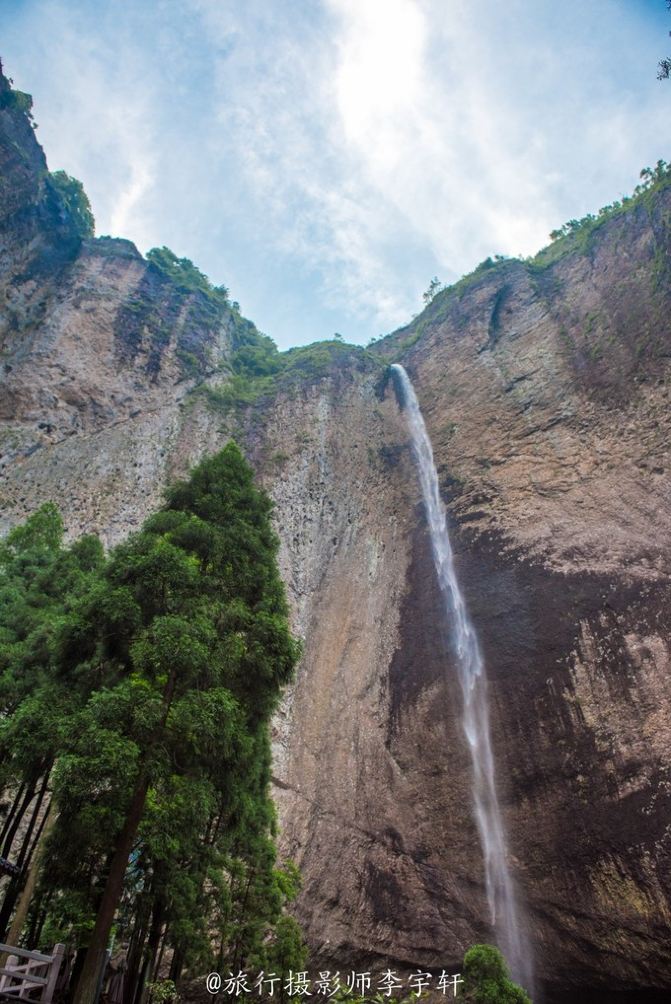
<point>504,910</point>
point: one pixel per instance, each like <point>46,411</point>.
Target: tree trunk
<point>74,976</point>
<point>176,965</point>
<point>29,888</point>
<point>152,948</point>
<point>153,943</point>
<point>135,951</point>
<point>18,816</point>
<point>10,814</point>
<point>95,954</point>
<point>23,856</point>
<point>157,968</point>
<point>40,910</point>
<point>19,882</point>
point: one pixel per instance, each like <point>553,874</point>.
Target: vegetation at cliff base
<point>134,749</point>
<point>486,978</point>
<point>73,202</point>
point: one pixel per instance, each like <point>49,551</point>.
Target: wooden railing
<point>31,980</point>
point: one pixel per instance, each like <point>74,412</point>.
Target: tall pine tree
<point>162,677</point>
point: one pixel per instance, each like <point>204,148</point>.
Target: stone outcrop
<point>545,388</point>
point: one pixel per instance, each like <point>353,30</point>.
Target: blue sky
<point>325,158</point>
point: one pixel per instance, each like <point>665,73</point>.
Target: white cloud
<point>379,77</point>
<point>141,179</point>
<point>452,128</point>
<point>428,132</point>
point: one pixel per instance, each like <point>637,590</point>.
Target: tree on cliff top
<point>73,202</point>
<point>186,275</point>
<point>432,291</point>
<point>664,65</point>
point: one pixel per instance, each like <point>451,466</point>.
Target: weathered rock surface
<point>546,394</point>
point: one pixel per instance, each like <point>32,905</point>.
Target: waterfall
<point>500,890</point>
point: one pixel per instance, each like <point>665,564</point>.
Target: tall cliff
<point>545,388</point>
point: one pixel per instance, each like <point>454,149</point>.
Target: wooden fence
<point>29,976</point>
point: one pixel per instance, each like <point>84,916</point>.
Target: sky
<point>324,159</point>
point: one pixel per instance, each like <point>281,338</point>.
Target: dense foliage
<point>137,693</point>
<point>486,979</point>
<point>20,100</point>
<point>186,275</point>
<point>257,367</point>
<point>73,202</point>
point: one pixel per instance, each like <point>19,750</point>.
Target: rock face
<point>545,389</point>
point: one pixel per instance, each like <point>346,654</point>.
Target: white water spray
<point>475,715</point>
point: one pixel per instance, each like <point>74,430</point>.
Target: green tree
<point>486,979</point>
<point>183,650</point>
<point>186,275</point>
<point>287,952</point>
<point>434,288</point>
<point>40,582</point>
<point>136,694</point>
<point>11,98</point>
<point>73,202</point>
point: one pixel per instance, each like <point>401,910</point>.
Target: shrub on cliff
<point>73,202</point>
<point>20,100</point>
<point>486,979</point>
<point>576,232</point>
<point>186,275</point>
